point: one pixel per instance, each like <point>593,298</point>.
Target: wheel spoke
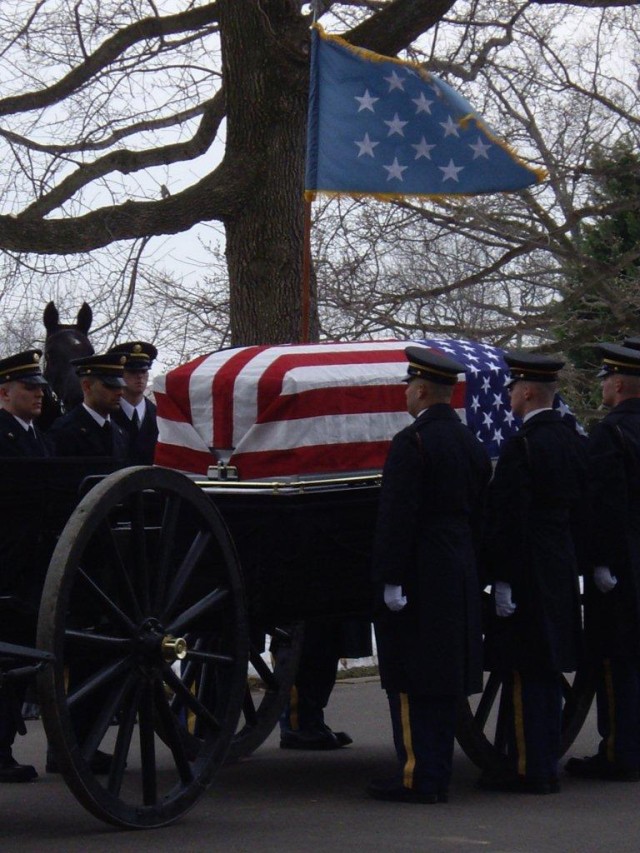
<point>210,657</point>
<point>249,708</point>
<point>212,601</point>
<point>117,568</point>
<point>187,678</point>
<point>184,694</point>
<point>504,723</point>
<point>568,692</point>
<point>267,676</point>
<point>488,698</point>
<point>101,642</point>
<point>190,562</point>
<point>108,602</point>
<point>173,736</point>
<point>139,542</point>
<point>148,747</point>
<point>194,675</point>
<point>123,741</point>
<point>98,680</point>
<point>108,709</point>
<point>169,526</point>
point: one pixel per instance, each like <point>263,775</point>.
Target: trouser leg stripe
<point>518,722</point>
<point>405,721</point>
<point>294,722</point>
<point>610,743</point>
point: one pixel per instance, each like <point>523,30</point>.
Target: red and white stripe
<point>280,410</point>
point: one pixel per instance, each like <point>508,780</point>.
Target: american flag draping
<point>313,408</point>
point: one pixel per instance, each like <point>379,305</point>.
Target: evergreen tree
<point>604,302</point>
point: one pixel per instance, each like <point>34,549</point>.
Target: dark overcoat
<point>142,441</point>
<point>433,484</point>
<point>537,502</point>
<point>78,434</point>
<point>14,441</point>
<point>24,547</point>
<point>613,619</point>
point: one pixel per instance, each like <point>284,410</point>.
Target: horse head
<point>63,342</point>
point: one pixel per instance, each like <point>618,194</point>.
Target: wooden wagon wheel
<point>482,720</point>
<point>143,597</point>
<point>267,693</point>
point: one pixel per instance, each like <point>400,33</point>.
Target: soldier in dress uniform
<point>427,620</point>
<point>88,429</point>
<point>21,393</point>
<point>137,414</point>
<point>612,585</point>
<point>537,499</point>
<point>21,560</point>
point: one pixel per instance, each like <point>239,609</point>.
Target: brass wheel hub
<point>173,648</point>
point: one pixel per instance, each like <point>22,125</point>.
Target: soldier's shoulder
<point>70,420</point>
<point>9,434</point>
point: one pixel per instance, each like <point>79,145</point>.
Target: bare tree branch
<point>110,50</point>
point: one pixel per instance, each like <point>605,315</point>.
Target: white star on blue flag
<point>380,126</point>
<point>487,402</point>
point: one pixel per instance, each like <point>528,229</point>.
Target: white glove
<point>603,578</point>
<point>504,603</point>
<point>393,597</point>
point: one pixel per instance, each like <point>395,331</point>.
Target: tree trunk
<point>266,66</point>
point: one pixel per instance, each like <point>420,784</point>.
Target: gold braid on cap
<point>621,363</point>
<point>448,375</point>
<point>8,371</point>
<point>103,367</point>
<point>533,369</point>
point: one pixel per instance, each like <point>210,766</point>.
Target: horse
<point>63,342</point>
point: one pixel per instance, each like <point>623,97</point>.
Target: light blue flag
<point>386,128</point>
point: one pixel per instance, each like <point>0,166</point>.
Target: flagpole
<point>305,301</point>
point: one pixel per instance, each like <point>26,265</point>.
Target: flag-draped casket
<point>303,410</point>
<point>312,409</point>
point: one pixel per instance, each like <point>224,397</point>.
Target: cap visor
<point>113,381</point>
<point>33,380</point>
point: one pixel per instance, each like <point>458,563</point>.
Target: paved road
<point>279,801</point>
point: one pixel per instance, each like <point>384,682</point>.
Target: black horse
<point>63,342</point>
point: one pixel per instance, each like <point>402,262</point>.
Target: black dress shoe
<point>343,738</point>
<point>100,764</point>
<point>597,767</point>
<point>318,740</point>
<point>510,783</point>
<point>393,792</point>
<point>12,772</point>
